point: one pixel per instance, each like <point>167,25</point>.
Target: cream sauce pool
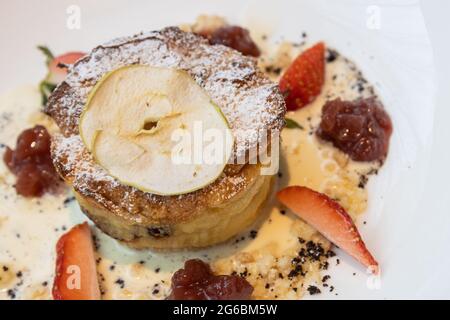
<point>29,229</point>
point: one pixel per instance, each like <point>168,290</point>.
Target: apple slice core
<point>156,129</point>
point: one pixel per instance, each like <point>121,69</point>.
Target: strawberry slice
<point>57,71</point>
<point>76,273</point>
<point>330,219</point>
<point>303,80</point>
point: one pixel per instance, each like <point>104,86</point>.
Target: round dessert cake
<point>251,104</point>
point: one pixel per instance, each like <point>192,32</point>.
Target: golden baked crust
<point>77,167</point>
<point>139,219</point>
<point>251,103</point>
<point>210,226</point>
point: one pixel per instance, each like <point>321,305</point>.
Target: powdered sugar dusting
<point>76,163</point>
<point>248,99</point>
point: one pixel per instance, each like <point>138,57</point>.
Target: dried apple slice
<point>154,128</point>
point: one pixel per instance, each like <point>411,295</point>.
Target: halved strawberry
<point>303,80</point>
<point>76,273</point>
<point>57,69</point>
<point>330,219</point>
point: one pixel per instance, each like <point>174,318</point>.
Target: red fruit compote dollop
<point>197,282</point>
<point>360,128</point>
<point>31,163</point>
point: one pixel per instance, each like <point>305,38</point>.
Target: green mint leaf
<point>46,88</point>
<point>292,124</point>
<point>47,53</point>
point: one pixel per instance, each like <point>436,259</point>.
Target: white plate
<point>407,223</point>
